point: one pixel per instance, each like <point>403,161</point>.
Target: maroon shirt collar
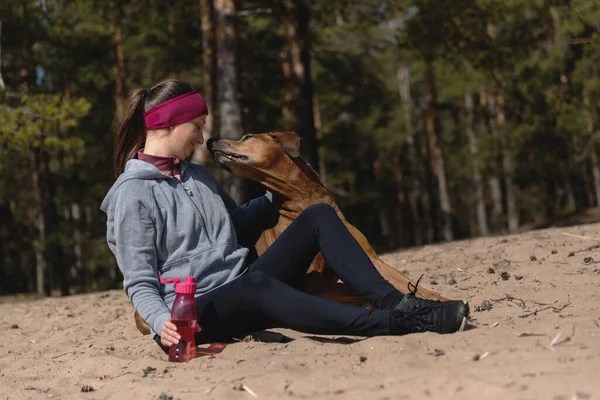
<point>167,165</point>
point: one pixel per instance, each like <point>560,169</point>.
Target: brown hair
<point>132,132</point>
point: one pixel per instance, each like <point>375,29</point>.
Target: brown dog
<point>272,159</point>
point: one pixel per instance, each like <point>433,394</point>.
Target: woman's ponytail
<point>132,132</point>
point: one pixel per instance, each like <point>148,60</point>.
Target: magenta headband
<point>176,111</point>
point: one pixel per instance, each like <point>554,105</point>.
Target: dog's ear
<point>290,142</point>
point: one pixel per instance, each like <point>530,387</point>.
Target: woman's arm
<point>131,236</point>
<point>256,214</point>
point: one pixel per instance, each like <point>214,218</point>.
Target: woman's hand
<point>169,335</point>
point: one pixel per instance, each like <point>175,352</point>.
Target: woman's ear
<point>290,142</point>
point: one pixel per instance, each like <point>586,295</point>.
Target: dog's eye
<point>246,137</point>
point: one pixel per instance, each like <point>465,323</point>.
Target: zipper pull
<point>188,191</point>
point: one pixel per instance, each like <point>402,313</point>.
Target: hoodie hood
<point>136,169</point>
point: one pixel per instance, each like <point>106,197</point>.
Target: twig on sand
<point>596,246</point>
<point>508,297</point>
<point>60,355</point>
<point>250,391</point>
<point>581,236</point>
<point>555,309</point>
<point>528,334</point>
<point>39,390</point>
<point>247,389</point>
<point>544,304</point>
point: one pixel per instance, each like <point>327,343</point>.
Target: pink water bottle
<point>184,315</point>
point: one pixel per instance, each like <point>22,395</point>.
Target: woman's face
<point>184,137</point>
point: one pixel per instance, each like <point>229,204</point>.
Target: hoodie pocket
<point>176,269</point>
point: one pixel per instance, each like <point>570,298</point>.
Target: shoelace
<point>414,288</point>
<point>419,321</point>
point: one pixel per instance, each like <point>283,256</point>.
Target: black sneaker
<point>413,314</point>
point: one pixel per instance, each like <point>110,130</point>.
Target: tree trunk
<point>494,181</point>
<point>68,87</point>
<point>595,173</point>
<point>403,228</point>
<point>593,153</point>
<point>2,84</point>
<point>28,72</point>
<point>576,181</point>
<point>55,256</point>
<point>413,179</point>
<point>425,176</point>
<point>73,214</point>
<point>487,109</point>
<point>230,114</point>
<point>41,266</point>
<point>319,127</point>
<point>508,168</point>
<point>39,196</point>
<point>288,109</point>
<point>382,209</point>
<point>437,158</point>
<point>47,253</point>
<point>201,153</point>
<point>119,66</point>
<point>482,225</point>
<point>77,272</point>
<point>297,14</point>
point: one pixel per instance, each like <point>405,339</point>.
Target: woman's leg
<point>256,301</point>
<point>319,229</point>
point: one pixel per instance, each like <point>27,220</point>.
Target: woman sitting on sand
<point>170,216</point>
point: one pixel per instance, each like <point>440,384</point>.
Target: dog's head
<point>255,152</point>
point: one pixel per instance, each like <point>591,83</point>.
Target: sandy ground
<point>535,300</point>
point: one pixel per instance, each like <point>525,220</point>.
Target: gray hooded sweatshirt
<point>180,228</point>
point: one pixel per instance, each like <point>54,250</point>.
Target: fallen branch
<point>246,388</point>
<point>60,355</point>
<point>512,299</point>
<point>37,389</point>
<point>528,334</point>
<point>555,309</point>
<point>581,236</point>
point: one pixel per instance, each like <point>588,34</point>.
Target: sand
<point>536,336</point>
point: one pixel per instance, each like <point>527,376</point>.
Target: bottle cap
<point>188,286</point>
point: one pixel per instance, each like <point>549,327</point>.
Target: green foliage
<point>540,57</point>
<point>42,121</point>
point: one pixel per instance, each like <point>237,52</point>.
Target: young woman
<point>168,216</point>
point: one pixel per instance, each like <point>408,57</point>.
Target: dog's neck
<point>300,189</point>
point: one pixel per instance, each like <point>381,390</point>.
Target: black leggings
<point>266,297</point>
